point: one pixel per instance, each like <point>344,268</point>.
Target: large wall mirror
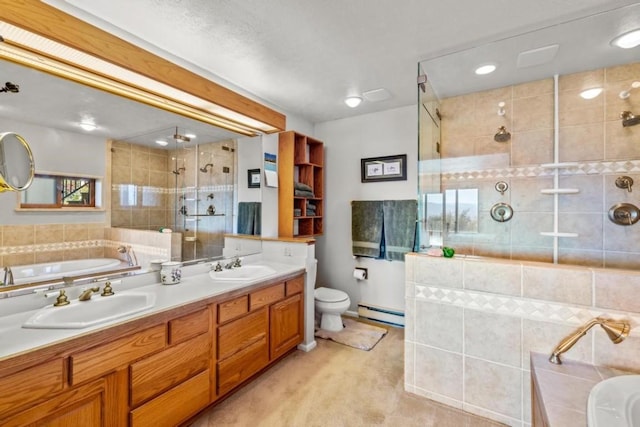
<point>154,170</point>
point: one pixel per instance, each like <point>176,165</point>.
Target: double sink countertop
<point>196,285</point>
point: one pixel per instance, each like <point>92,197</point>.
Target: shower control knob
<point>624,182</point>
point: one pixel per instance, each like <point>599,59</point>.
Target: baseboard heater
<point>381,314</point>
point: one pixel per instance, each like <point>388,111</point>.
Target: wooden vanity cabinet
<point>155,371</point>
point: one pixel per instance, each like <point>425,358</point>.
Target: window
<point>56,191</point>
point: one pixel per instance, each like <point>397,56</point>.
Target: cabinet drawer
<point>174,406</point>
<point>189,326</point>
<point>241,333</point>
<point>242,365</point>
<point>295,285</point>
<point>231,309</point>
<point>99,360</point>
<point>31,385</point>
<point>161,371</point>
<point>266,296</point>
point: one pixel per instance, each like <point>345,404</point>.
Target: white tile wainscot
<point>472,322</point>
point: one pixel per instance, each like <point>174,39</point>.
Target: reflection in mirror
<point>16,163</point>
<point>568,142</point>
<point>121,150</point>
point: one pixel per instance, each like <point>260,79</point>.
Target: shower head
<point>625,94</point>
<point>177,172</point>
<point>502,135</point>
<point>629,119</point>
<point>206,167</point>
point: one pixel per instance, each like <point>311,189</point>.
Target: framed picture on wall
<point>388,168</point>
<point>253,178</point>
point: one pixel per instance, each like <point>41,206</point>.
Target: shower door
<point>430,197</point>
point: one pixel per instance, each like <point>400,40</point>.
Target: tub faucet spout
<point>128,252</point>
<point>8,277</point>
<point>617,331</point>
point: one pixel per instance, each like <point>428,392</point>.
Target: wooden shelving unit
<point>300,159</point>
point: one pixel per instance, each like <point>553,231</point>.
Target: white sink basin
<point>244,273</point>
<point>615,402</point>
<point>82,314</point>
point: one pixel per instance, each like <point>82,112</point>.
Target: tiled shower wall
<point>472,322</point>
<point>139,186</point>
<point>590,134</point>
<point>31,244</point>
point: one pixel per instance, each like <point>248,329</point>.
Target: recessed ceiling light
<point>161,142</point>
<point>353,101</point>
<point>591,93</point>
<point>485,69</point>
<point>190,135</point>
<point>88,126</point>
<point>627,40</point>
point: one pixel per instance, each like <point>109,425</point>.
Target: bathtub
<point>55,270</point>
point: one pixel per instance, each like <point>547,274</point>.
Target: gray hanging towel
<point>366,228</point>
<point>249,218</point>
<point>399,227</point>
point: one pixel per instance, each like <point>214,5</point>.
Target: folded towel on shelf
<point>399,217</point>
<point>249,218</point>
<point>303,193</point>
<point>302,186</point>
<point>366,228</point>
<point>297,212</point>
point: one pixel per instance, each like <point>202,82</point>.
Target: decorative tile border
<point>46,247</point>
<point>517,306</point>
<point>163,190</point>
<point>580,168</point>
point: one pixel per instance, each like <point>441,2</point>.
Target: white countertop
<point>193,287</point>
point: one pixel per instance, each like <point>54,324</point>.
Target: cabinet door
<point>85,406</point>
<point>286,325</point>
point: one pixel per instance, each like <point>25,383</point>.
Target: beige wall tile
<point>159,179</point>
<point>526,396</point>
<point>495,277</point>
<point>532,253</point>
<point>622,260</point>
<point>440,272</point>
<point>49,256</point>
<point>121,217</point>
<point>581,81</point>
<point>96,252</point>
<point>621,356</point>
<point>19,259</point>
<point>533,113</point>
<point>582,142</point>
<point>96,231</point>
<point>523,190</point>
<point>18,235</point>
<point>439,371</point>
<point>75,232</point>
<point>527,226</point>
<point>532,147</point>
<point>159,163</point>
<point>504,382</point>
<point>140,176</point>
<point>543,337</point>
<point>120,174</point>
<point>493,337</point>
<point>526,90</point>
<point>121,155</point>
<point>584,258</point>
<point>621,142</point>
<point>617,290</point>
<point>560,284</point>
<point>621,238</point>
<point>458,119</point>
<point>447,334</point>
<point>589,197</point>
<point>614,105</point>
<point>48,233</point>
<point>409,364</point>
<point>589,227</point>
<point>623,72</point>
<point>77,253</point>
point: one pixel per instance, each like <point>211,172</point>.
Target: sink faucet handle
<point>62,299</point>
<point>107,290</point>
<point>237,262</point>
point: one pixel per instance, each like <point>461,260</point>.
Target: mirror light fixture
<point>627,40</point>
<point>485,69</point>
<point>27,48</point>
<point>353,101</point>
<point>591,93</point>
<point>88,126</point>
<point>162,142</point>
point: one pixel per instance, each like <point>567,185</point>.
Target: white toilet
<point>330,304</point>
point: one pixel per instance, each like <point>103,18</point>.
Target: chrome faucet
<point>617,331</point>
<point>128,251</point>
<point>235,263</point>
<point>8,277</point>
<point>87,293</point>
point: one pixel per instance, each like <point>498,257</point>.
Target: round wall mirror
<point>16,163</point>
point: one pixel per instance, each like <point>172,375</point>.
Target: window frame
<point>60,179</point>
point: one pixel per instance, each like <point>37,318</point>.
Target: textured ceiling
<point>303,57</point>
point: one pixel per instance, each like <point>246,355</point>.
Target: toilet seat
<point>329,295</point>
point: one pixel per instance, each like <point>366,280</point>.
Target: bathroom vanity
<point>200,342</point>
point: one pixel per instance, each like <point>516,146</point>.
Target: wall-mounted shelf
<point>300,159</point>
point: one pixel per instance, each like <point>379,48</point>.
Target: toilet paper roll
<point>359,274</point>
